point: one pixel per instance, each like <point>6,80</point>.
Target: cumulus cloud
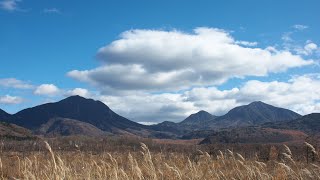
<point>9,5</point>
<point>47,89</point>
<point>308,49</point>
<point>78,91</point>
<point>155,60</point>
<point>150,107</point>
<point>7,99</point>
<point>297,94</point>
<point>15,83</point>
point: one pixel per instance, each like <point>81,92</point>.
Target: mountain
<point>66,127</point>
<point>254,113</point>
<point>198,118</point>
<point>191,123</point>
<point>255,135</point>
<point>75,107</point>
<point>309,124</point>
<point>4,115</point>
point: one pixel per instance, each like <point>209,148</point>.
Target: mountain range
<point>76,115</point>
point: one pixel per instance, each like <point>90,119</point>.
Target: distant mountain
<point>4,115</point>
<point>78,108</point>
<point>255,135</point>
<point>198,118</point>
<point>13,131</point>
<point>309,123</point>
<point>254,113</point>
<point>66,127</point>
<point>200,124</point>
<point>191,123</point>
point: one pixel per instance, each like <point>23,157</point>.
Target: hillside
<point>13,131</point>
<point>309,124</point>
<point>66,127</point>
<point>4,115</point>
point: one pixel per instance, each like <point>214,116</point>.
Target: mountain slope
<point>13,131</point>
<point>66,127</point>
<point>253,114</point>
<point>198,118</point>
<point>74,107</point>
<point>4,115</point>
<point>309,123</point>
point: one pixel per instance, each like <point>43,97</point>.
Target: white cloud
<point>7,99</point>
<point>310,48</point>
<point>147,123</point>
<point>300,27</point>
<point>247,43</point>
<point>150,108</point>
<point>9,5</point>
<point>47,89</point>
<point>52,11</point>
<point>15,83</point>
<point>298,94</point>
<point>155,60</point>
<point>78,91</point>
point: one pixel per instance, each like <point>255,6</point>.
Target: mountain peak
<point>75,98</point>
<point>255,113</point>
<point>198,117</point>
<point>77,108</point>
<point>258,103</point>
<point>202,112</point>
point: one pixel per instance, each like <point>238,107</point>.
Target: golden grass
<point>144,164</point>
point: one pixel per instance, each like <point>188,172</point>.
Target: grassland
<point>127,158</point>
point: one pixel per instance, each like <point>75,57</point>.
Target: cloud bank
<point>297,94</point>
<point>7,99</point>
<point>155,60</point>
<point>47,89</point>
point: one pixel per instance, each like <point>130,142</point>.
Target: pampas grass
<point>145,165</point>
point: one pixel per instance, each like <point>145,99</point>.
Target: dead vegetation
<point>168,162</point>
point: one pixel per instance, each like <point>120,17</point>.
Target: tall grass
<point>145,164</point>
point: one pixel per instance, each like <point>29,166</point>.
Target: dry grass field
<point>49,159</point>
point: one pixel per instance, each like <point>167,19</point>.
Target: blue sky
<point>52,49</point>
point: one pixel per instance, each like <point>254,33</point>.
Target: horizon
<point>159,61</point>
<point>151,123</point>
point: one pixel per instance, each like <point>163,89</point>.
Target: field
<point>136,158</point>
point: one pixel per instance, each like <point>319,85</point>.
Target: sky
<point>154,61</point>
